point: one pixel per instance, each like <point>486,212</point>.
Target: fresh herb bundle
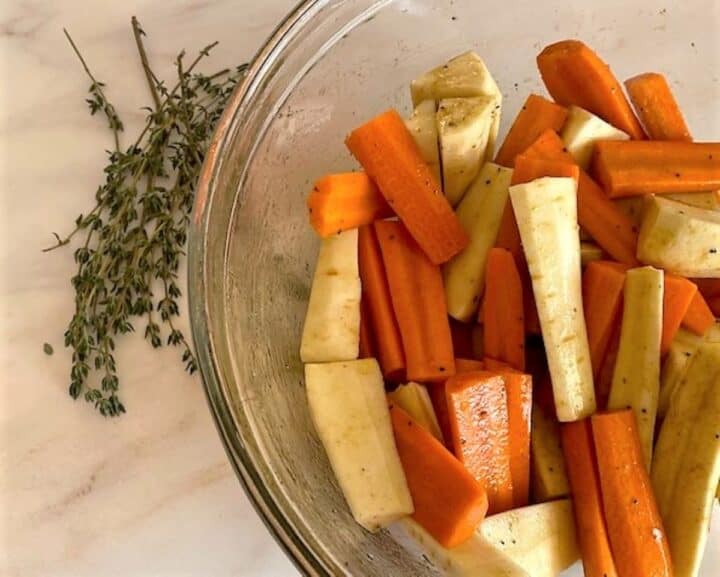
<point>134,237</point>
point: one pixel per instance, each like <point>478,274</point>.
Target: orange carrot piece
<point>637,538</point>
<point>418,299</point>
<point>376,294</point>
<point>600,217</point>
<point>479,422</point>
<point>574,74</point>
<point>581,469</point>
<point>607,369</point>
<point>679,294</point>
<point>494,365</point>
<point>657,108</point>
<point>367,347</point>
<point>603,283</point>
<point>699,316</point>
<point>468,366</point>
<point>518,389</point>
<point>391,158</point>
<point>343,201</point>
<point>537,115</point>
<point>530,167</point>
<point>462,338</point>
<point>503,316</point>
<point>449,502</point>
<point>628,168</point>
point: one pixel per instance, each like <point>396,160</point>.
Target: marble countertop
<point>151,493</point>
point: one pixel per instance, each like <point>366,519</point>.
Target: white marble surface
<point>151,493</point>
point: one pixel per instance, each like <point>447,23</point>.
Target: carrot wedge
<point>367,346</point>
<point>518,389</point>
<point>579,451</point>
<point>603,283</point>
<point>376,296</point>
<point>637,538</point>
<point>343,201</point>
<point>628,168</point>
<point>657,108</point>
<point>699,316</point>
<point>418,299</point>
<point>477,406</point>
<point>449,502</point>
<point>391,158</point>
<point>503,317</point>
<point>537,115</point>
<point>679,294</point>
<point>574,74</point>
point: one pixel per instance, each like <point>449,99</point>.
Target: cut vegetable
<point>574,74</point>
<point>463,126</point>
<point>344,201</point>
<point>391,158</point>
<point>679,294</point>
<point>708,200</point>
<point>699,317</point>
<point>579,451</point>
<point>367,346</point>
<point>603,383</point>
<point>676,362</point>
<point>656,167</point>
<point>537,115</point>
<point>503,317</point>
<point>681,239</point>
<point>518,389</point>
<point>603,284</point>
<point>468,366</point>
<point>636,380</point>
<point>637,537</point>
<point>348,407</point>
<point>477,405</point>
<point>376,295</point>
<point>418,298</point>
<point>423,127</point>
<point>414,399</point>
<point>547,218</point>
<point>480,213</point>
<point>463,76</point>
<point>655,104</point>
<point>582,130</point>
<point>332,321</point>
<point>449,502</point>
<point>540,538</point>
<point>590,252</point>
<point>548,465</point>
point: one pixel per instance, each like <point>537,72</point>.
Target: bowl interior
<point>331,66</point>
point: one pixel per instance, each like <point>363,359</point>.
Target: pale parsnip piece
<point>676,362</point>
<point>698,475</point>
<point>707,200</point>
<point>582,130</point>
<point>463,76</point>
<point>349,409</point>
<point>590,252</point>
<point>476,557</point>
<point>546,213</point>
<point>332,321</point>
<point>676,437</point>
<point>423,127</point>
<point>463,126</point>
<point>548,463</point>
<point>414,399</point>
<point>680,238</point>
<point>636,380</point>
<point>539,538</point>
<point>480,213</point>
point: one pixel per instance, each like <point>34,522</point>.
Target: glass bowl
<point>330,65</point>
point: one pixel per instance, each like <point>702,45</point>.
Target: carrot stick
<point>343,201</point>
<point>503,317</point>
<point>468,366</point>
<point>477,405</point>
<point>637,537</point>
<point>657,108</point>
<point>581,469</point>
<point>537,115</point>
<point>518,389</point>
<point>376,295</point>
<point>699,316</point>
<point>367,347</point>
<point>574,74</point>
<point>606,223</point>
<point>678,295</point>
<point>462,338</point>
<point>604,381</point>
<point>656,167</point>
<point>494,365</point>
<point>418,299</point>
<point>603,283</point>
<point>391,158</point>
<point>449,502</point>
